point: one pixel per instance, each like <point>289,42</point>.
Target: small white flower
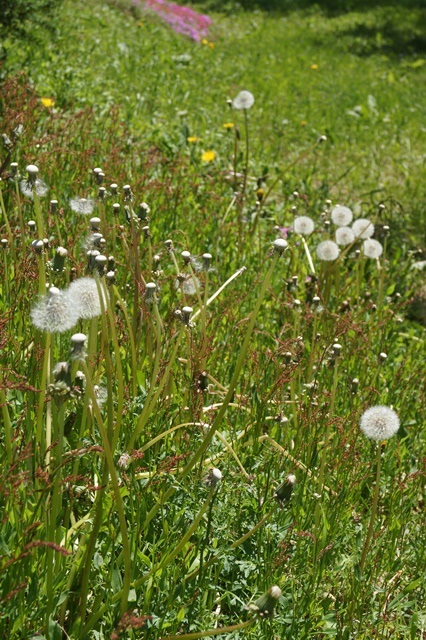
<point>341,216</point>
<point>303,225</point>
<point>363,228</point>
<point>82,205</point>
<point>84,295</point>
<point>379,423</point>
<point>344,236</point>
<point>372,248</point>
<point>244,100</point>
<point>54,313</point>
<point>328,250</point>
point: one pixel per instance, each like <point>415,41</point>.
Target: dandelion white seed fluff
<point>85,297</point>
<point>244,100</point>
<point>363,228</point>
<point>344,236</point>
<point>379,423</point>
<point>372,248</point>
<point>328,250</point>
<point>54,312</point>
<point>82,205</point>
<point>188,285</point>
<point>341,216</point>
<point>38,186</point>
<point>303,225</point>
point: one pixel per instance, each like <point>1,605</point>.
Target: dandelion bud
<point>354,385</point>
<point>186,315</point>
<point>101,261</point>
<point>116,209</point>
<point>265,605</point>
<point>100,177</point>
<point>111,263</point>
<point>382,207</point>
<point>386,230</point>
<point>156,260</point>
<point>127,192</point>
<point>61,372</point>
<point>186,257</point>
<point>59,259</point>
<point>110,277</point>
<point>280,245</point>
<point>150,292</point>
<point>4,243</point>
<point>337,349</point>
<point>322,138</point>
<point>96,170</point>
<point>18,131</point>
<point>214,477</point>
<point>207,258</point>
<point>143,211</point>
<point>114,188</point>
<point>13,169</point>
<point>296,303</point>
<point>78,341</point>
<point>101,193</point>
<point>95,224</point>
<point>7,142</point>
<point>146,231</point>
<point>288,357</point>
<point>316,300</point>
<point>32,171</point>
<point>38,246</point>
<point>169,244</point>
<point>284,491</point>
<point>80,380</point>
<point>229,102</point>
<point>382,357</point>
<point>295,194</point>
<point>96,239</point>
<point>32,225</point>
<point>91,259</point>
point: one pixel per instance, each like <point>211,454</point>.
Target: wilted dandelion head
<point>341,216</point>
<point>84,206</point>
<point>379,423</point>
<point>363,228</point>
<point>303,225</point>
<point>55,312</point>
<point>84,295</point>
<point>244,100</point>
<point>372,248</point>
<point>328,250</point>
<point>28,187</point>
<point>344,236</point>
<point>188,283</point>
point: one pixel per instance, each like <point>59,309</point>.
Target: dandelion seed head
<point>84,206</point>
<point>38,186</point>
<point>363,228</point>
<point>344,236</point>
<point>372,248</point>
<point>341,216</point>
<point>244,100</point>
<point>328,250</point>
<point>54,313</point>
<point>84,295</point>
<point>303,225</point>
<point>379,423</point>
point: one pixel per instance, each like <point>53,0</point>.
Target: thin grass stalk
<point>134,367</point>
<point>373,511</point>
<point>8,228</point>
<point>212,632</point>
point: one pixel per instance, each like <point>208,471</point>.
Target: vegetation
<point>187,354</point>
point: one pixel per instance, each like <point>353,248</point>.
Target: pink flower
<point>183,20</point>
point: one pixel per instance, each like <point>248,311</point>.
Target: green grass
<point>89,547</point>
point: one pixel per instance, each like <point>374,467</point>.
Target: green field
<point>200,444</point>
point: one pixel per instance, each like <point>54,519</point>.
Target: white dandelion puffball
<point>379,423</point>
<point>341,216</point>
<point>38,186</point>
<point>344,236</point>
<point>244,100</point>
<point>328,250</point>
<point>84,206</point>
<point>55,312</point>
<point>363,228</point>
<point>303,225</point>
<point>85,297</point>
<point>372,248</point>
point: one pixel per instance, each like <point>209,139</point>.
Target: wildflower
<point>192,139</point>
<point>265,605</point>
<point>328,250</point>
<point>379,423</point>
<point>372,248</point>
<point>363,228</point>
<point>208,156</point>
<point>33,184</point>
<point>344,236</point>
<point>55,312</point>
<point>82,205</point>
<point>228,125</point>
<point>303,225</point>
<point>47,102</point>
<point>314,67</point>
<point>341,216</point>
<point>244,100</point>
<point>204,41</point>
<point>84,295</point>
<point>303,123</point>
<point>211,45</point>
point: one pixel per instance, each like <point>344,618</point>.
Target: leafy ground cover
<point>185,363</point>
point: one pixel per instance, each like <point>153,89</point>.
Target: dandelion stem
<point>373,511</point>
<point>219,291</point>
<point>211,632</point>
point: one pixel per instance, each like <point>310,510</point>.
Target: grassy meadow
<point>196,325</point>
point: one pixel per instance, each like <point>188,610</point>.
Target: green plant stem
<point>373,512</point>
<point>7,426</point>
<point>211,632</point>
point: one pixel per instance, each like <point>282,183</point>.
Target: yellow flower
<point>208,156</point>
<point>47,102</point>
<point>204,41</point>
<point>211,45</point>
<point>303,123</point>
<point>314,67</point>
<point>228,125</point>
<point>192,139</point>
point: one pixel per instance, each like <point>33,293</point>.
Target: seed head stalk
<point>8,228</point>
<point>373,511</point>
